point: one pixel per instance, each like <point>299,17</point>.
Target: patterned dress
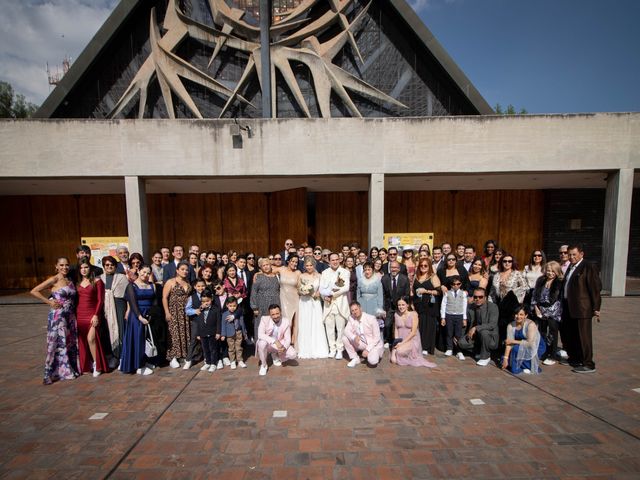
<point>179,326</point>
<point>61,362</point>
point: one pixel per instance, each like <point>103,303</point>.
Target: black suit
<point>581,301</point>
<point>246,305</point>
<point>391,297</point>
<point>169,271</point>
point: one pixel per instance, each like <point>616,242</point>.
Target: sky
<point>547,56</point>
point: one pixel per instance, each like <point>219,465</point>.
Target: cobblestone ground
<point>387,422</point>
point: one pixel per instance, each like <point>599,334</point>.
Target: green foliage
<point>509,110</point>
<point>14,105</point>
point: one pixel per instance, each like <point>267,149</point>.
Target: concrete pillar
<point>617,221</point>
<point>137,226</point>
<point>376,209</point>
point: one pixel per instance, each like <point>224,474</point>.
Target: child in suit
<point>453,314</point>
<point>207,328</point>
<point>192,309</point>
<point>234,330</point>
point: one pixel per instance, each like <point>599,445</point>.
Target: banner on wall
<point>103,246</point>
<point>403,240</point>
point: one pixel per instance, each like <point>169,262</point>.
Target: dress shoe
<point>174,363</point>
<point>187,365</point>
<point>583,369</point>
<point>353,363</point>
<point>263,370</point>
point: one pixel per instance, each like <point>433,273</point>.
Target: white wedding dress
<point>312,337</point>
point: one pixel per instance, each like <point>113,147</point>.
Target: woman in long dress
<point>426,298</point>
<point>523,345</point>
<point>89,315</point>
<point>408,350</point>
<point>175,294</point>
<point>61,362</point>
<point>289,298</point>
<point>141,296</point>
<point>312,336</point>
<point>369,293</point>
<point>264,292</point>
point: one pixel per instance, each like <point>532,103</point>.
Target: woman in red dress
<point>88,314</point>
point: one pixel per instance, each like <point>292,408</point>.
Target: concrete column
<point>617,221</point>
<point>137,226</point>
<point>376,209</point>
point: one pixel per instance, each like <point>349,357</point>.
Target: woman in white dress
<point>312,337</point>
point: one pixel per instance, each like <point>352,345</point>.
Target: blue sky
<point>547,56</point>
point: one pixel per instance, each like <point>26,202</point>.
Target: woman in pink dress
<point>407,348</point>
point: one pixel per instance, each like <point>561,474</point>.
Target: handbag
<point>150,349</point>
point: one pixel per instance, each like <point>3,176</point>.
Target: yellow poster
<point>404,240</point>
<point>102,246</point>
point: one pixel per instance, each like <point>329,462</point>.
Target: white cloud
<point>34,32</point>
<point>419,5</point>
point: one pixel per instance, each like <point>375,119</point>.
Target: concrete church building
<point>177,125</point>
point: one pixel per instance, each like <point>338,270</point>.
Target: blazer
<point>370,330</point>
<point>266,329</point>
<point>229,329</point>
<point>210,326</point>
<point>583,291</point>
<point>484,318</point>
<point>328,280</point>
<point>402,290</point>
<point>169,271</point>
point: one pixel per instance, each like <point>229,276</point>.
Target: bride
<point>312,338</point>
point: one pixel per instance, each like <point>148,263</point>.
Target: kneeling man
<point>362,334</point>
<point>274,337</point>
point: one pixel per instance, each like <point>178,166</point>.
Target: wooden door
<point>18,267</point>
<point>287,218</point>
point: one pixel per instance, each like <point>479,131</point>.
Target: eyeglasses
<point>564,253</point>
<point>456,284</point>
<point>451,259</point>
<point>477,297</point>
<point>537,255</point>
<point>507,261</point>
<point>108,265</point>
<point>393,254</point>
<point>288,244</point>
<point>277,258</point>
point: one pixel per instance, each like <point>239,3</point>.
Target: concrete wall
<point>38,148</point>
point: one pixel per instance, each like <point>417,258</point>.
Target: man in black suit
<point>392,255</point>
<point>581,304</point>
<point>288,244</point>
<point>438,258</point>
<point>394,286</point>
<point>83,251</point>
<point>483,336</point>
<point>169,270</point>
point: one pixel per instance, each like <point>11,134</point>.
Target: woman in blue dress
<point>140,296</point>
<point>523,345</point>
<point>61,362</point>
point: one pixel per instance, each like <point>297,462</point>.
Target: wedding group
<point>307,302</point>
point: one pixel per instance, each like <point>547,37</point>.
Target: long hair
<point>91,276</point>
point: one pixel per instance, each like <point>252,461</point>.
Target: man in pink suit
<point>274,337</point>
<point>362,334</point>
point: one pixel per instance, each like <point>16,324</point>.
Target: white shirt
<point>570,270</point>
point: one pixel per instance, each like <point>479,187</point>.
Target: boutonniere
<point>340,282</point>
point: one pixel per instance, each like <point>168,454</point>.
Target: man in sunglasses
<point>563,258</point>
<point>392,255</point>
<point>284,254</point>
<point>483,335</point>
<point>319,257</point>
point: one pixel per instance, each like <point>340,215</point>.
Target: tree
<point>14,105</point>
<point>510,110</point>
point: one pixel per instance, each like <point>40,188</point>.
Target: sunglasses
<point>537,255</point>
<point>108,265</point>
<point>507,261</point>
<point>288,244</point>
<point>477,297</point>
<point>250,258</point>
<point>456,284</point>
<point>451,259</point>
<point>277,258</point>
<point>564,253</point>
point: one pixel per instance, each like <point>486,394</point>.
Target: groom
<point>334,286</point>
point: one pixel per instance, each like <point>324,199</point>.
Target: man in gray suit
<point>483,332</point>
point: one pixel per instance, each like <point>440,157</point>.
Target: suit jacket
<point>211,326</point>
<point>583,291</point>
<point>484,318</point>
<point>266,330</point>
<point>385,268</point>
<point>229,329</point>
<point>391,298</point>
<point>328,280</point>
<point>249,282</point>
<point>371,331</point>
<point>169,271</point>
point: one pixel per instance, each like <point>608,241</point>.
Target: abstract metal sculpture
<point>293,38</point>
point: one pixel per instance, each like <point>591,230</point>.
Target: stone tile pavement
<point>363,423</point>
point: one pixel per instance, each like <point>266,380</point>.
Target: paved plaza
<point>319,419</point>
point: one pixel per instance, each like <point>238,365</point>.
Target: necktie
<point>393,284</point>
<point>455,294</point>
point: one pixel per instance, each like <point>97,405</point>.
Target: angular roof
<point>124,10</point>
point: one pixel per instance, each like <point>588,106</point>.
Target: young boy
<point>233,329</point>
<point>192,309</point>
<point>453,314</point>
<point>207,327</point>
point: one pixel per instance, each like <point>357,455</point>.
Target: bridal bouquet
<point>305,288</point>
